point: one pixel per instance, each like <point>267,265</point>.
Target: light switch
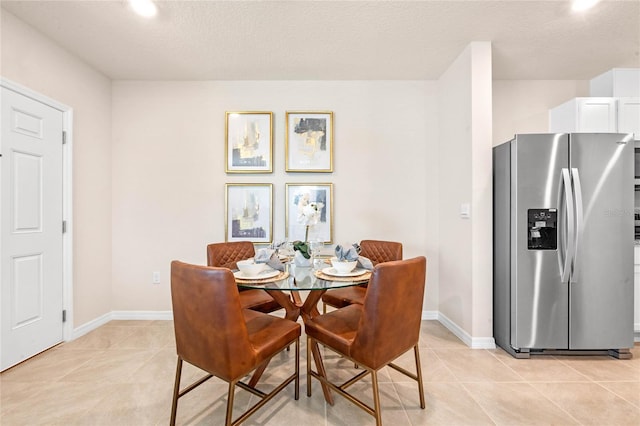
<point>465,210</point>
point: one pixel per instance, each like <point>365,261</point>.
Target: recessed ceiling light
<point>144,8</point>
<point>580,5</point>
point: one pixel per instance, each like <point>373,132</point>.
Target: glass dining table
<point>286,287</point>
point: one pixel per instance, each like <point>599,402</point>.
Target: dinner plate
<point>269,273</point>
<point>332,271</point>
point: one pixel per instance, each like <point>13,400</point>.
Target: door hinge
<point>64,137</point>
<point>64,315</point>
<point>64,226</point>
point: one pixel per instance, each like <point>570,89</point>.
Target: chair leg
<point>297,381</point>
<point>308,366</point>
<point>419,374</point>
<point>176,391</point>
<point>376,397</point>
<point>231,393</point>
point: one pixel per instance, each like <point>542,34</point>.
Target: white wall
<point>465,296</point>
<point>523,106</point>
<point>482,193</point>
<point>169,176</point>
<point>32,60</point>
<point>455,296</point>
<point>407,155</point>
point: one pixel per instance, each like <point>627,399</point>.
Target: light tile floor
<point>122,374</point>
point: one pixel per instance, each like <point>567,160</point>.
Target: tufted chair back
<point>378,252</point>
<point>381,251</point>
<point>225,255</point>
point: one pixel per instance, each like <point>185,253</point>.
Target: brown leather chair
<point>376,333</point>
<point>225,255</point>
<point>215,334</point>
<point>376,251</point>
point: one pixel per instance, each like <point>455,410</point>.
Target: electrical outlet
<point>156,278</point>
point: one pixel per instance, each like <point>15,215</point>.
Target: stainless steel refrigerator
<point>563,232</point>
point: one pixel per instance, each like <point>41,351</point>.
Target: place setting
<point>264,267</point>
<point>346,265</point>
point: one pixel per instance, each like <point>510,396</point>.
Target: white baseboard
<point>142,315</point>
<point>119,315</point>
<point>429,315</point>
<point>90,326</point>
<point>472,342</point>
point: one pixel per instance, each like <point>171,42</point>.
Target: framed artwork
<point>309,142</point>
<point>309,212</point>
<point>249,212</point>
<point>249,142</point>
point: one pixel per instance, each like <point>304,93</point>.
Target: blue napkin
<point>269,257</point>
<point>351,253</point>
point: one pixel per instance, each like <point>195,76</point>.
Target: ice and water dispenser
<point>542,225</point>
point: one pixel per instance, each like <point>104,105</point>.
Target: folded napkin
<point>278,245</point>
<point>351,253</point>
<point>269,257</point>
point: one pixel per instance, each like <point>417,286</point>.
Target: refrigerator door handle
<point>575,275</point>
<point>568,233</point>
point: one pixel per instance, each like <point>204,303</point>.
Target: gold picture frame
<point>248,142</point>
<point>309,141</point>
<point>299,195</point>
<point>248,212</point>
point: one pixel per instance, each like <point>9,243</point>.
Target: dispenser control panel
<point>542,227</point>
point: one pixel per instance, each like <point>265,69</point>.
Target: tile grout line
<point>402,404</point>
<point>566,364</point>
<point>505,364</point>
<point>457,379</point>
<point>554,402</point>
<point>600,383</point>
<point>478,403</point>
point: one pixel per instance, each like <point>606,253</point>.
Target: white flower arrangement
<point>309,215</point>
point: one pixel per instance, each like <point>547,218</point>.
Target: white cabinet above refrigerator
<point>596,115</point>
<point>629,116</point>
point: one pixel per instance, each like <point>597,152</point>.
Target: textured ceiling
<point>338,40</point>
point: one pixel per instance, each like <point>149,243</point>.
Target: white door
<point>31,217</point>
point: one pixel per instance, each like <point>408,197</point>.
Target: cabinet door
<point>629,116</point>
<point>596,115</point>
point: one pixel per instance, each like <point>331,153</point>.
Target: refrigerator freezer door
<point>601,289</point>
<point>539,299</point>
